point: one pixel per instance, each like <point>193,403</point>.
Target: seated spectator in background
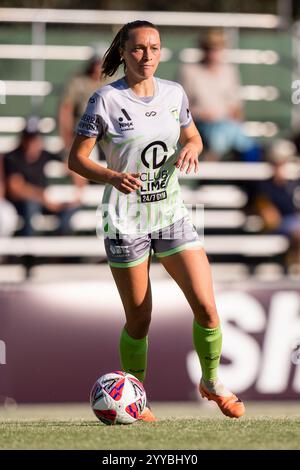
<point>213,89</point>
<point>276,200</point>
<point>295,138</point>
<point>26,182</point>
<point>8,214</point>
<point>75,97</point>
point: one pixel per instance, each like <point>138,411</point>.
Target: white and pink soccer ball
<point>118,398</point>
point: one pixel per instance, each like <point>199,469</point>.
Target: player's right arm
<point>80,163</point>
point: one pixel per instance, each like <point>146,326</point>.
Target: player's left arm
<point>192,146</point>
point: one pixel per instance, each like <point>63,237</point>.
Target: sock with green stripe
<point>133,355</point>
<point>208,345</point>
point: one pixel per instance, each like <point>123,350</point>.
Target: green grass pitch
<point>180,426</point>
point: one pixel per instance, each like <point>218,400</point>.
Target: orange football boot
<point>230,405</point>
<point>147,415</point>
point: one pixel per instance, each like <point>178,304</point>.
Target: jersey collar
<point>139,98</point>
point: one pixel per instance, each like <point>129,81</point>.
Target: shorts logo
<point>151,113</point>
<point>125,125</point>
<point>112,249</point>
<point>119,250</point>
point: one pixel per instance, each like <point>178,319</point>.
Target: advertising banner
<point>56,339</point>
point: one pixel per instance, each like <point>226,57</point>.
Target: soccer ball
<point>118,398</point>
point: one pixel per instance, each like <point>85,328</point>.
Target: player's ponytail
<point>112,58</point>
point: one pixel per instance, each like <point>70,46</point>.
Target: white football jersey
<point>139,135</point>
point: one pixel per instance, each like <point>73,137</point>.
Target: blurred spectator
<point>75,97</point>
<point>276,199</point>
<point>213,88</point>
<point>26,182</point>
<point>296,140</point>
<point>8,214</point>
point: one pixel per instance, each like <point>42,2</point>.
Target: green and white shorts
<point>130,250</point>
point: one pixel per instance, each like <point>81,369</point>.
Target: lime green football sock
<point>133,355</point>
<point>208,345</point>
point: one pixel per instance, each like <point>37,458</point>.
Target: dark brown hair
<point>112,59</point>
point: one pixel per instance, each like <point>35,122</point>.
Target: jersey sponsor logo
<point>154,181</point>
<point>126,125</point>
<point>90,122</point>
<point>153,157</point>
<point>153,197</point>
<point>150,113</point>
<point>150,156</point>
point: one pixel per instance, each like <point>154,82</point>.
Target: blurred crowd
<point>213,89</point>
<point>23,171</point>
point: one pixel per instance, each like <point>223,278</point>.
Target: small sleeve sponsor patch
<point>92,123</point>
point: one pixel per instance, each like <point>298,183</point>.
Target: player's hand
<point>127,182</point>
<point>188,158</point>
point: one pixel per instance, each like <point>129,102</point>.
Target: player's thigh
<point>191,271</point>
<point>134,287</point>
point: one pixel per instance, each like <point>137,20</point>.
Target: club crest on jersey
<point>175,114</point>
<point>125,121</point>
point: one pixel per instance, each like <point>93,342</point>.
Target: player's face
<point>142,53</point>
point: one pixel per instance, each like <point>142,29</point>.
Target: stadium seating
<point>232,234</point>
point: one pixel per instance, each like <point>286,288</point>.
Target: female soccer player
<point>139,120</point>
